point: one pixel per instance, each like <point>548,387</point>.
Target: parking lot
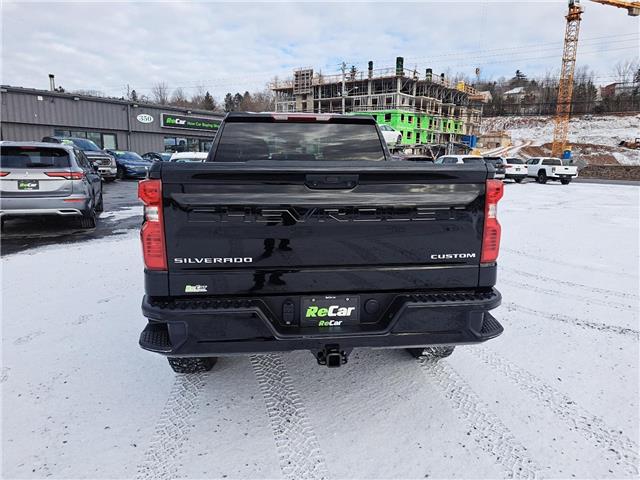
<point>556,396</point>
<point>122,211</point>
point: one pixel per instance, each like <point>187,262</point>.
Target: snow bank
<point>608,130</point>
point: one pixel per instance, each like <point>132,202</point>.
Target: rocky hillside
<point>595,138</point>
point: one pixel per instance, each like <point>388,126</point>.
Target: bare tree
<point>197,98</point>
<point>624,70</point>
<point>179,98</point>
<point>160,93</point>
<point>263,101</point>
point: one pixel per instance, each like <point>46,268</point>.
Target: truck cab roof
<point>298,117</point>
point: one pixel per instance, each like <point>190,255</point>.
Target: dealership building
<point>29,114</point>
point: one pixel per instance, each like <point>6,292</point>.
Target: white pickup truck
<point>547,168</point>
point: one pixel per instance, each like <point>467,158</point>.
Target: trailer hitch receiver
<point>332,356</point>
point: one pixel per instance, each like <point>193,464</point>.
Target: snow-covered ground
<point>556,396</point>
<point>593,130</point>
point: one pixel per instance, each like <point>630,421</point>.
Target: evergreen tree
<point>237,101</point>
<point>229,106</point>
<point>208,103</point>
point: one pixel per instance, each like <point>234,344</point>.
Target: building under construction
<point>426,109</point>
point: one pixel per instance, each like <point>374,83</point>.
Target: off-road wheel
<point>435,353</point>
<point>542,177</point>
<point>191,365</point>
<point>120,173</point>
<point>565,181</point>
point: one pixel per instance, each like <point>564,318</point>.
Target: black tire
<point>100,203</point>
<point>542,177</point>
<point>109,179</point>
<point>565,181</point>
<point>431,352</point>
<point>191,365</point>
<point>518,180</point>
<point>120,173</point>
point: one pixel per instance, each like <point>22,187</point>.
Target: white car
<point>515,169</point>
<point>392,136</point>
<point>548,168</point>
<point>185,157</point>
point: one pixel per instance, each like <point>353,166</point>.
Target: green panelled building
<point>416,128</point>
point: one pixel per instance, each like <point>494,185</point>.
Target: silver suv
<point>105,163</point>
<point>48,179</point>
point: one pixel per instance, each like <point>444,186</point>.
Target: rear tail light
<point>4,174</point>
<point>66,175</point>
<point>152,232</point>
<point>491,232</point>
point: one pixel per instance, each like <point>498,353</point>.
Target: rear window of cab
<point>299,141</point>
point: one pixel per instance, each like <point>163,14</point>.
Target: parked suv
<point>473,160</point>
<point>105,163</point>
<point>48,179</point>
<point>499,164</point>
<point>515,169</point>
<point>459,159</point>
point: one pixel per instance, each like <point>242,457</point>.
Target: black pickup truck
<point>300,232</point>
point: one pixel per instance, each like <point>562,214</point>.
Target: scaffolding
<point>424,108</point>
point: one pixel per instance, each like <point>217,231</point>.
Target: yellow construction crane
<point>633,8</point>
<point>565,85</point>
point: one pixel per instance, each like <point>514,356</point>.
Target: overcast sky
<point>239,46</point>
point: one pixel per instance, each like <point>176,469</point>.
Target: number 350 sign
<point>145,118</point>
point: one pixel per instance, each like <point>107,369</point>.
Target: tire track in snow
<point>578,322</point>
<point>486,429</point>
<point>542,278</point>
<point>547,291</point>
<point>161,459</point>
<point>298,447</point>
<point>617,446</point>
<point>586,267</point>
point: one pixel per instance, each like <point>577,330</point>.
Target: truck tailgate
<point>564,170</point>
<point>368,226</point>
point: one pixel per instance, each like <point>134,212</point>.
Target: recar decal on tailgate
<point>195,288</point>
